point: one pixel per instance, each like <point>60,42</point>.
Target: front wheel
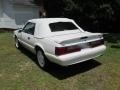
<point>17,44</point>
<point>42,61</point>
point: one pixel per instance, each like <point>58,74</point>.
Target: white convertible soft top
<point>43,30</point>
<point>49,20</point>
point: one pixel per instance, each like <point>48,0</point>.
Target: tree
<point>54,8</point>
<point>92,15</point>
<point>40,3</point>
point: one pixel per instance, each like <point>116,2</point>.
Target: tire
<point>42,60</point>
<point>17,43</point>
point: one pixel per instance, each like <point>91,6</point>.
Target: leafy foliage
<point>92,15</point>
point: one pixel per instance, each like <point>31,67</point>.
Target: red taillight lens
<point>66,50</point>
<point>96,43</point>
<point>60,50</point>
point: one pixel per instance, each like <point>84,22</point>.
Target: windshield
<point>62,26</point>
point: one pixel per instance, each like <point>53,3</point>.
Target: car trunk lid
<point>76,38</point>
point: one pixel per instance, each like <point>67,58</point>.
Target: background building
<point>14,13</point>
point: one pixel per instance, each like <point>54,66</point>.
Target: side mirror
<point>20,31</point>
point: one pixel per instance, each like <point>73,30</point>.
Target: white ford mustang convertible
<point>59,40</point>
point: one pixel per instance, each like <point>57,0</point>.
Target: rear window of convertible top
<point>62,26</point>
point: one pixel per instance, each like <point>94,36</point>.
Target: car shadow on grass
<point>65,72</point>
<point>60,72</point>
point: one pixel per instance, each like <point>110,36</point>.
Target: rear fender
<point>40,45</point>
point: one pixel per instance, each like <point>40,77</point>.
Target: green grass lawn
<point>19,70</point>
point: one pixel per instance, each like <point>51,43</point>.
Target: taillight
<point>96,43</point>
<point>66,50</point>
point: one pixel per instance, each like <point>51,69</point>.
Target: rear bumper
<point>77,57</point>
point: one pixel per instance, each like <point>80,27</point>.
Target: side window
<point>29,28</point>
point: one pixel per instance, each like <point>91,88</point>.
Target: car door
<point>28,36</point>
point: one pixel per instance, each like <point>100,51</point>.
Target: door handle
<point>84,37</point>
<point>28,38</point>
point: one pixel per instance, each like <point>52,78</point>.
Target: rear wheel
<point>42,61</point>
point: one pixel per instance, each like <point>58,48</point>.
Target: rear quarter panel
<point>47,45</point>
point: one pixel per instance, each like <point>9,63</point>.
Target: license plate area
<point>91,44</point>
<point>96,43</point>
<point>84,45</point>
